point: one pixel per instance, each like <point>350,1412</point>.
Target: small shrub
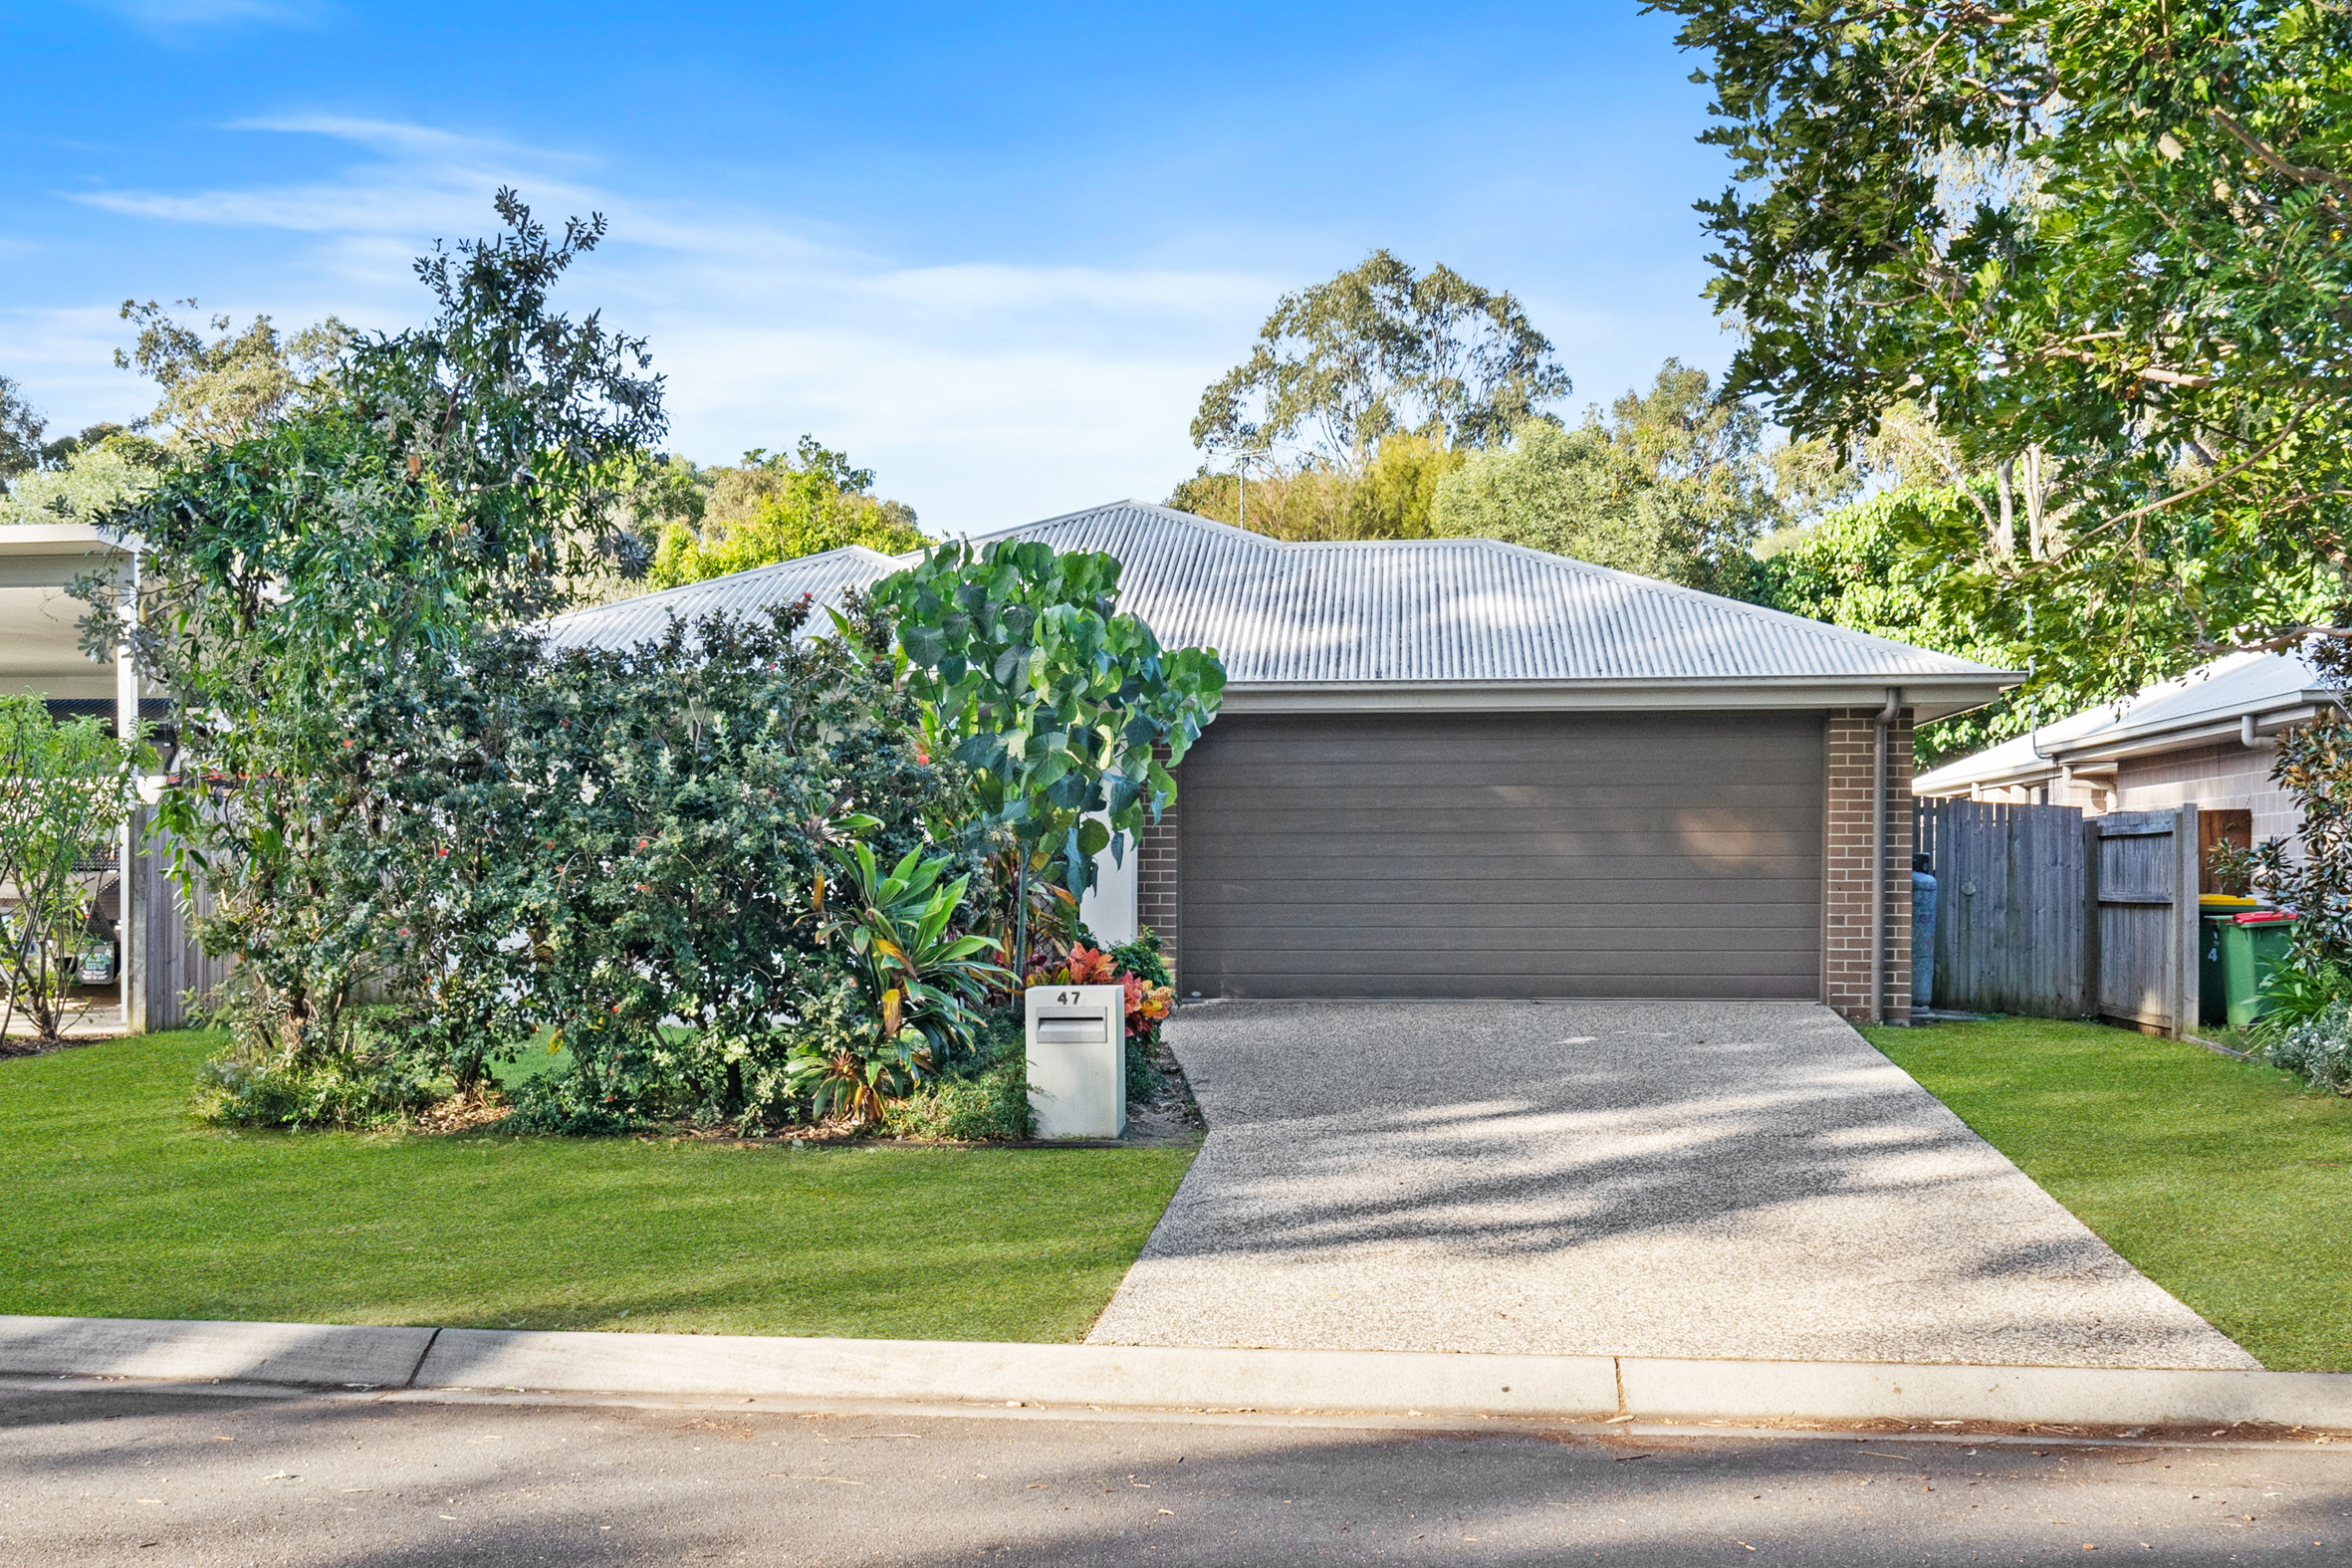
<point>252,1084</point>
<point>2297,993</point>
<point>984,1103</point>
<point>2318,1049</point>
<point>1137,966</point>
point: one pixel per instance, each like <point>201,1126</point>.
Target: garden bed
<point>2226,1182</point>
<point>125,1206</point>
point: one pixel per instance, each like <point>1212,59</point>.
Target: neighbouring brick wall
<point>1155,882</point>
<point>2222,777</point>
<point>1846,941</point>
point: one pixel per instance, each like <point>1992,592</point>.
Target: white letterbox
<point>1078,1060</point>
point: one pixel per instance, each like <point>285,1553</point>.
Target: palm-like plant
<point>919,977</point>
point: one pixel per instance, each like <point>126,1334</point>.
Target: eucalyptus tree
<point>1377,351</point>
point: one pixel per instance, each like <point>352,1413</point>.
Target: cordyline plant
<point>1054,703</point>
<point>65,791</point>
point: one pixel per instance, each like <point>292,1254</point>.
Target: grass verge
<point>2224,1182</point>
<point>121,1205</point>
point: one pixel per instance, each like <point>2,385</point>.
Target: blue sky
<point>994,252</point>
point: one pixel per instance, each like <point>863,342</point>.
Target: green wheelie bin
<point>2239,952</point>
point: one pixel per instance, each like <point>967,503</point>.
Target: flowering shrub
<point>1147,1003</point>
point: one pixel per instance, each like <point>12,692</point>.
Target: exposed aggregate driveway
<point>1744,1181</point>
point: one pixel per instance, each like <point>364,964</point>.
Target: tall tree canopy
<point>1389,497</point>
<point>2101,238</point>
<point>20,432</point>
<point>1674,483</point>
<point>237,384</point>
<point>1377,351</point>
<point>773,507</point>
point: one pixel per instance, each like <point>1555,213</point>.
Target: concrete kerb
<point>308,1355</point>
<point>1166,1378</point>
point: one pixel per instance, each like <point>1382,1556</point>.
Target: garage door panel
<point>1305,812</point>
<point>1563,784</point>
<point>1408,913</point>
<point>1522,943</point>
<point>1606,968</point>
<point>1425,862</point>
<point>1636,741</point>
<point>1520,854</point>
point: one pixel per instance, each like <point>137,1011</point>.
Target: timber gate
<point>2044,912</point>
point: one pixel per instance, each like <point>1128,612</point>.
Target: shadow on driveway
<point>1747,1181</point>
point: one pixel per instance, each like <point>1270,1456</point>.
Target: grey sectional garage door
<point>1503,855</point>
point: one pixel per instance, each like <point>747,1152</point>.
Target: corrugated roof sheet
<point>1367,612</point>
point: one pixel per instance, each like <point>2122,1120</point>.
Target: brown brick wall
<point>1155,882</point>
<point>1846,936</point>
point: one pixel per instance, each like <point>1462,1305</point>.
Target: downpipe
<point>1881,726</point>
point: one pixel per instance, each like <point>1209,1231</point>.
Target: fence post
<point>2093,1000</point>
<point>2187,997</point>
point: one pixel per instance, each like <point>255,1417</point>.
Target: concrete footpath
<point>424,1361</point>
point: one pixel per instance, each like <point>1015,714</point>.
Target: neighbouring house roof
<point>2212,703</point>
<point>1403,622</point>
<point>40,620</point>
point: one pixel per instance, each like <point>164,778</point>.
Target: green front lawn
<point>2224,1181</point>
<point>120,1205</point>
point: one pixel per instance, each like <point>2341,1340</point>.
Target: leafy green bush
<point>2297,993</point>
<point>920,976</point>
<point>2318,1049</point>
<point>983,1103</point>
<point>255,1083</point>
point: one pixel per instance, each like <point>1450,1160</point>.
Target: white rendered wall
<point>1109,908</point>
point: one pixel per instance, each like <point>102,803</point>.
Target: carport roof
<point>1403,623</point>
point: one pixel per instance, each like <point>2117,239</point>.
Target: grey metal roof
<point>628,622</point>
<point>2270,688</point>
<point>1374,613</point>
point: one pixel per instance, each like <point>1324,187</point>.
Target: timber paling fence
<point>2044,912</point>
<point>177,968</point>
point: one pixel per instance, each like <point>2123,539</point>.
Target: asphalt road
<point>95,1476</point>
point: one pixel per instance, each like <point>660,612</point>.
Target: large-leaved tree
<point>2100,243</point>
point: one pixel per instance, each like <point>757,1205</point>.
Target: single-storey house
<point>1458,768</point>
<point>2205,739</point>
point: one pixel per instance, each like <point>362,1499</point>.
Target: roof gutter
<point>2244,728</point>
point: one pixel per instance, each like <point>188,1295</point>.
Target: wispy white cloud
<point>984,392</point>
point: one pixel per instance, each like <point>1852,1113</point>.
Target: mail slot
<point>1078,1060</point>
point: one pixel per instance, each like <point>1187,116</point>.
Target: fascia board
<point>61,538</point>
<point>2028,772</point>
<point>1929,696</point>
<point>2176,738</point>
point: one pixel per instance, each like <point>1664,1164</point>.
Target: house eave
<point>2210,730</point>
